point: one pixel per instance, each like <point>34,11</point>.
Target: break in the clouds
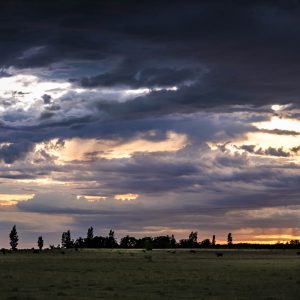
<point>150,118</point>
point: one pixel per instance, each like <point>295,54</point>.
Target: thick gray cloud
<point>269,151</point>
<point>11,152</point>
<point>145,78</point>
<point>249,50</point>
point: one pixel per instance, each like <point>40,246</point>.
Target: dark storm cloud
<point>249,49</point>
<point>186,100</point>
<point>12,152</point>
<point>280,132</point>
<point>200,128</point>
<point>3,73</point>
<point>295,149</point>
<point>17,176</point>
<point>268,151</point>
<point>46,115</point>
<point>53,107</point>
<point>146,174</point>
<point>276,152</point>
<point>46,98</point>
<point>130,75</point>
<point>216,54</point>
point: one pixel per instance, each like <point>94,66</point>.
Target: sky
<point>150,118</point>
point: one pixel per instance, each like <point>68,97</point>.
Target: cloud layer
<point>192,107</point>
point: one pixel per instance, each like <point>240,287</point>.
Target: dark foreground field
<point>157,274</point>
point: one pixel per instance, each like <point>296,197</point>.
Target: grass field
<point>157,274</point>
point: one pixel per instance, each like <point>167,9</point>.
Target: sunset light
<point>132,126</point>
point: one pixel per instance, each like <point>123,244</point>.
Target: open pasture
<point>157,274</point>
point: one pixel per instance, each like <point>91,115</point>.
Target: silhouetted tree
<point>80,243</point>
<point>128,242</point>
<point>229,239</point>
<point>90,233</point>
<point>193,237</point>
<point>162,242</point>
<point>213,240</point>
<point>99,242</point>
<point>111,241</point>
<point>14,239</point>
<point>173,241</point>
<point>66,239</point>
<point>190,242</point>
<point>40,242</point>
<point>89,238</point>
<point>205,243</point>
<point>145,242</point>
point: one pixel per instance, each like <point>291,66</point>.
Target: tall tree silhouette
<point>89,238</point>
<point>14,239</point>
<point>193,237</point>
<point>111,240</point>
<point>191,241</point>
<point>90,233</point>
<point>229,239</point>
<point>173,241</point>
<point>40,242</point>
<point>213,240</point>
<point>66,239</point>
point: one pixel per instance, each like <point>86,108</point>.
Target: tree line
<point>158,242</point>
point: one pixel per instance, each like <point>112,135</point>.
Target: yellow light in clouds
<point>279,123</point>
<point>91,198</point>
<point>42,181</point>
<point>173,143</point>
<point>286,140</point>
<point>12,199</point>
<point>266,140</point>
<point>86,149</point>
<point>278,107</point>
<point>124,197</point>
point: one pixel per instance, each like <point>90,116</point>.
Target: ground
<point>157,274</point>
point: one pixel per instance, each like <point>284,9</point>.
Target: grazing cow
<point>298,253</point>
<point>219,254</point>
<point>35,251</point>
<point>192,251</point>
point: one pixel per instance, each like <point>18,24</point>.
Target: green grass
<point>157,274</point>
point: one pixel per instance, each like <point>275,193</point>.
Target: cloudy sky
<point>150,117</point>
